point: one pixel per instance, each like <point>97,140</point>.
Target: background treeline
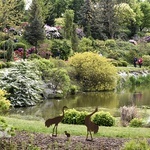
<point>88,30</point>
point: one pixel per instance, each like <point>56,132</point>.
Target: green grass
<point>132,68</point>
<point>78,130</point>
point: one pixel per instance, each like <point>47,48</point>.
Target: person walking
<point>140,62</point>
<point>135,61</point>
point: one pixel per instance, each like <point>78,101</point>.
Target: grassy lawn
<point>79,130</point>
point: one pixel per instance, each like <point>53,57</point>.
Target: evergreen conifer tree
<point>74,39</point>
<point>34,32</point>
<point>86,17</point>
<point>68,21</point>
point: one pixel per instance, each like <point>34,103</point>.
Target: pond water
<point>139,96</point>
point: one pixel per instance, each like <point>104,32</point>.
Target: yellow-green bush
<point>94,72</point>
<point>4,103</point>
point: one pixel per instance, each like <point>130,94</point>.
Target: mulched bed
<point>29,141</point>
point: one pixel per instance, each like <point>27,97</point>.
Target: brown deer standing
<point>91,126</point>
<point>55,121</point>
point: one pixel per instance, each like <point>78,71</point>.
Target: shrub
<point>136,122</point>
<point>58,80</point>
<point>94,72</point>
<point>85,45</point>
<point>127,114</point>
<point>61,49</point>
<point>146,60</point>
<point>81,117</point>
<point>103,119</point>
<point>4,103</point>
<point>136,145</point>
<point>5,129</point>
<point>19,45</point>
<point>124,63</point>
<point>3,45</point>
<point>23,82</point>
<point>4,36</point>
<point>73,116</point>
<point>110,43</point>
<point>34,56</point>
<point>2,54</point>
<point>73,89</point>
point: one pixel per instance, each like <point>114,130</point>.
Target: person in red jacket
<point>140,62</point>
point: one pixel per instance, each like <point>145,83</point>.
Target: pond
<point>107,101</point>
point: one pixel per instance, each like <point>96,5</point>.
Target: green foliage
<point>4,103</point>
<point>146,60</point>
<point>119,63</point>
<point>73,116</point>
<point>124,63</point>
<point>73,89</point>
<point>85,45</point>
<point>23,82</point>
<point>2,54</point>
<point>136,122</point>
<point>4,36</point>
<point>58,80</point>
<point>44,66</point>
<point>34,32</point>
<point>54,75</point>
<point>141,80</point>
<point>5,129</point>
<point>103,119</point>
<point>110,43</point>
<point>68,23</point>
<point>10,49</point>
<point>125,45</point>
<point>19,45</point>
<point>94,72</point>
<point>61,49</point>
<point>74,39</point>
<point>34,56</point>
<point>136,144</point>
<point>11,12</point>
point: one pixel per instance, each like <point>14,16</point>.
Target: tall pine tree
<point>108,18</point>
<point>86,17</point>
<point>34,32</point>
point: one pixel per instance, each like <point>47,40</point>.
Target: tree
<point>145,8</point>
<point>74,39</point>
<point>68,22</point>
<point>11,12</point>
<point>34,32</point>
<point>76,6</point>
<point>10,49</point>
<point>47,12</point>
<point>108,19</point>
<point>136,21</point>
<point>59,80</point>
<point>86,17</point>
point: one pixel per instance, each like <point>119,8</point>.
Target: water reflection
<point>109,100</point>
